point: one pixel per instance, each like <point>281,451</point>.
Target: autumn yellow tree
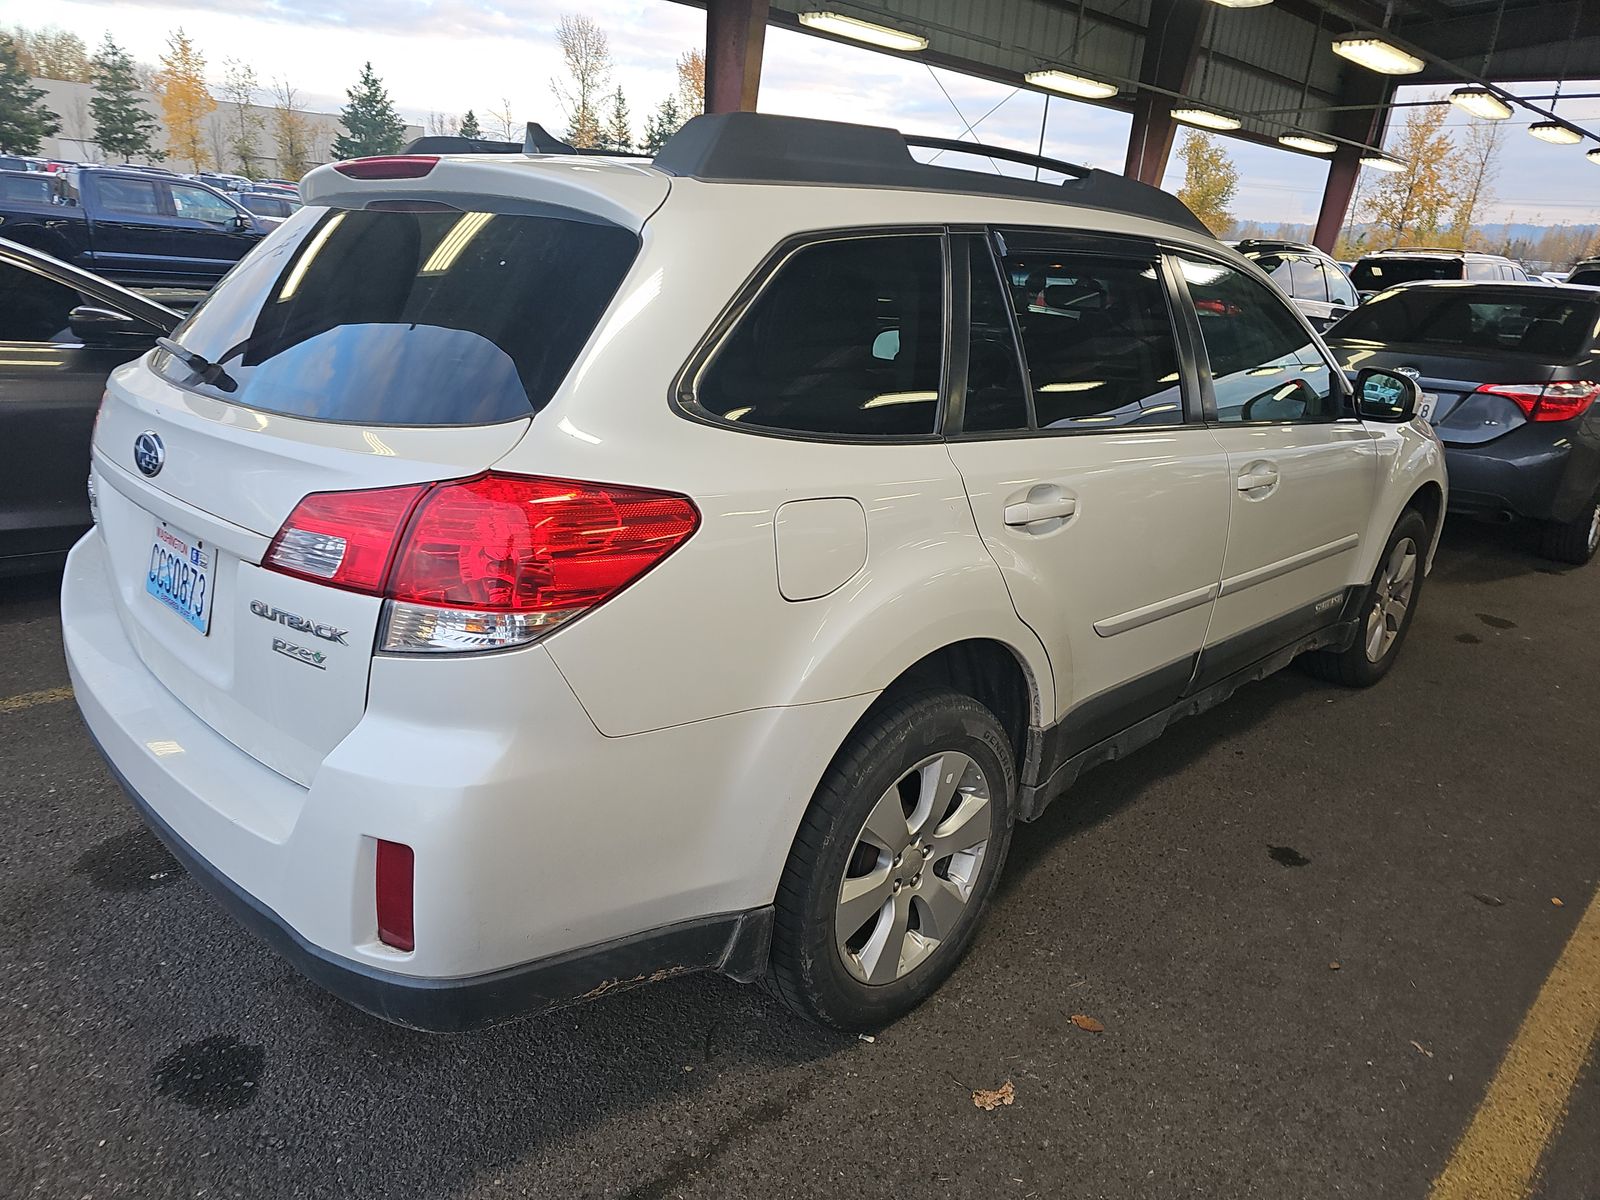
<point>1210,181</point>
<point>692,83</point>
<point>186,102</point>
<point>291,132</point>
<point>1479,163</point>
<point>1409,207</point>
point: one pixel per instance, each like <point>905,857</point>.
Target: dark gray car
<point>62,331</point>
<point>1510,373</point>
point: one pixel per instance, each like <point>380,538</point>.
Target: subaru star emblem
<point>148,453</point>
<point>1408,372</point>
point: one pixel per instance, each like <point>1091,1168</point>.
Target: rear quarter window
<point>407,318</point>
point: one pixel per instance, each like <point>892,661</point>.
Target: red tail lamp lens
<point>396,869</point>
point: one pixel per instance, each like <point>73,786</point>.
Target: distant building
<point>75,140</point>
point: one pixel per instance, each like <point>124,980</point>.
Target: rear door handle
<point>1258,477</point>
<point>1049,506</point>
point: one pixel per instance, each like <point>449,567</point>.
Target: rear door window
<point>1340,290</point>
<point>407,318</point>
<point>845,339</point>
<point>33,308</point>
<point>1308,282</point>
<point>135,197</point>
<point>995,399</point>
<point>1097,336</point>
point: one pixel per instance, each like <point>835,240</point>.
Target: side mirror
<point>242,224</point>
<point>1385,396</point>
<point>96,326</point>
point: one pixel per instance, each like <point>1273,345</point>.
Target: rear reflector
<point>388,166</point>
<point>482,563</point>
<point>1548,401</point>
<point>395,872</point>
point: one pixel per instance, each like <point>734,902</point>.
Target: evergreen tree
<point>469,125</point>
<point>617,134</point>
<point>123,126</point>
<point>372,126</point>
<point>661,125</point>
<point>24,122</point>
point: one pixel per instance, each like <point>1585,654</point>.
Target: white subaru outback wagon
<point>527,576</point>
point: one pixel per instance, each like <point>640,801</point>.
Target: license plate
<point>180,575</point>
<point>1430,401</point>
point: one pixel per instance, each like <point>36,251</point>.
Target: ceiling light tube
<point>1556,133</point>
<point>1594,155</point>
<point>1205,118</point>
<point>1382,162</point>
<point>863,31</point>
<point>1299,140</point>
<point>1241,3</point>
<point>1069,84</point>
<point>1375,54</point>
<point>1480,102</point>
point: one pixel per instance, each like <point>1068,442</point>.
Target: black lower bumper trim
<point>735,944</point>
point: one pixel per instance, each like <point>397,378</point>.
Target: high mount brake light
<point>1548,401</point>
<point>388,166</point>
<point>482,563</point>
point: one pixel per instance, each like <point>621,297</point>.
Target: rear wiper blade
<point>205,371</point>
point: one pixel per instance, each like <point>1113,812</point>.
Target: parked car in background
<point>282,183</point>
<point>272,207</point>
<point>439,746</point>
<point>1307,276</point>
<point>223,182</point>
<point>136,227</point>
<point>1509,375</point>
<point>1385,268</point>
<point>1585,273</point>
<point>62,331</point>
<point>34,191</point>
<point>1553,276</point>
<point>20,162</point>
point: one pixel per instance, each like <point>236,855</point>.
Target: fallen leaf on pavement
<point>990,1099</point>
<point>1485,898</point>
<point>1423,1049</point>
<point>1333,966</point>
<point>1087,1024</point>
<point>1556,900</point>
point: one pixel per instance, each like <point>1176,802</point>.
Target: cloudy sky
<point>450,55</point>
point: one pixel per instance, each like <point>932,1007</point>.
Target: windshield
<point>435,317</point>
<point>1375,274</point>
<point>1553,327</point>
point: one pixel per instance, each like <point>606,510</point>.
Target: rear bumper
<point>1542,472</point>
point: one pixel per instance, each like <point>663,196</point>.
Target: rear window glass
<point>1375,274</point>
<point>1549,325</point>
<point>1588,277</point>
<point>40,189</point>
<point>407,318</point>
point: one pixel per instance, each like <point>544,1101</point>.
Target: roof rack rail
<point>762,148</point>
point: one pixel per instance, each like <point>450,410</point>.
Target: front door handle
<point>1043,503</point>
<point>1258,476</point>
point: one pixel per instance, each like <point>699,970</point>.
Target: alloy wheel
<point>1397,583</point>
<point>911,872</point>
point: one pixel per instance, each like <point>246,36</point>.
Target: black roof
<point>761,148</point>
<point>1249,244</point>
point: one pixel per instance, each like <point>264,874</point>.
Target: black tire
<point>1573,541</point>
<point>1355,666</point>
<point>808,969</point>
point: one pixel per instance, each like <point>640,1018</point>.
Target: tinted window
<point>1264,365</point>
<point>1340,290</point>
<point>1278,269</point>
<point>33,308</point>
<point>1375,274</point>
<point>200,205</point>
<point>27,189</point>
<point>1533,322</point>
<point>847,339</point>
<point>1308,284</point>
<point>408,318</point>
<point>136,196</point>
<point>1481,270</point>
<point>1588,277</point>
<point>1098,339</point>
<point>995,397</point>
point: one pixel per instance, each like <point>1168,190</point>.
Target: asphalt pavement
<point>1310,921</point>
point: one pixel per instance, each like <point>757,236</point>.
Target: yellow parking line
<point>11,704</point>
<point>1497,1156</point>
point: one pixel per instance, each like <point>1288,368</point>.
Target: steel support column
<point>1171,49</point>
<point>1366,126</point>
<point>736,32</point>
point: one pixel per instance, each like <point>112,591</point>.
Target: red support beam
<point>736,32</point>
<point>1171,49</point>
<point>1366,126</point>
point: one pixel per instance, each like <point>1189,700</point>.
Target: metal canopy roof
<point>1258,64</point>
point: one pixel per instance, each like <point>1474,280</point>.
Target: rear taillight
<point>484,563</point>
<point>1548,401</point>
<point>396,869</point>
<point>388,166</point>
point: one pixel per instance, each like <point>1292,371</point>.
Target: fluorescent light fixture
<point>1381,162</point>
<point>1241,3</point>
<point>1375,54</point>
<point>1593,155</point>
<point>1307,142</point>
<point>883,399</point>
<point>1069,84</point>
<point>1078,385</point>
<point>1556,133</point>
<point>862,31</point>
<point>1205,118</point>
<point>733,414</point>
<point>1480,102</point>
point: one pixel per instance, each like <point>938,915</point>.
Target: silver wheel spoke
<point>859,899</point>
<point>1375,628</point>
<point>886,826</point>
<point>880,957</point>
<point>1395,611</point>
<point>946,773</point>
<point>962,830</point>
